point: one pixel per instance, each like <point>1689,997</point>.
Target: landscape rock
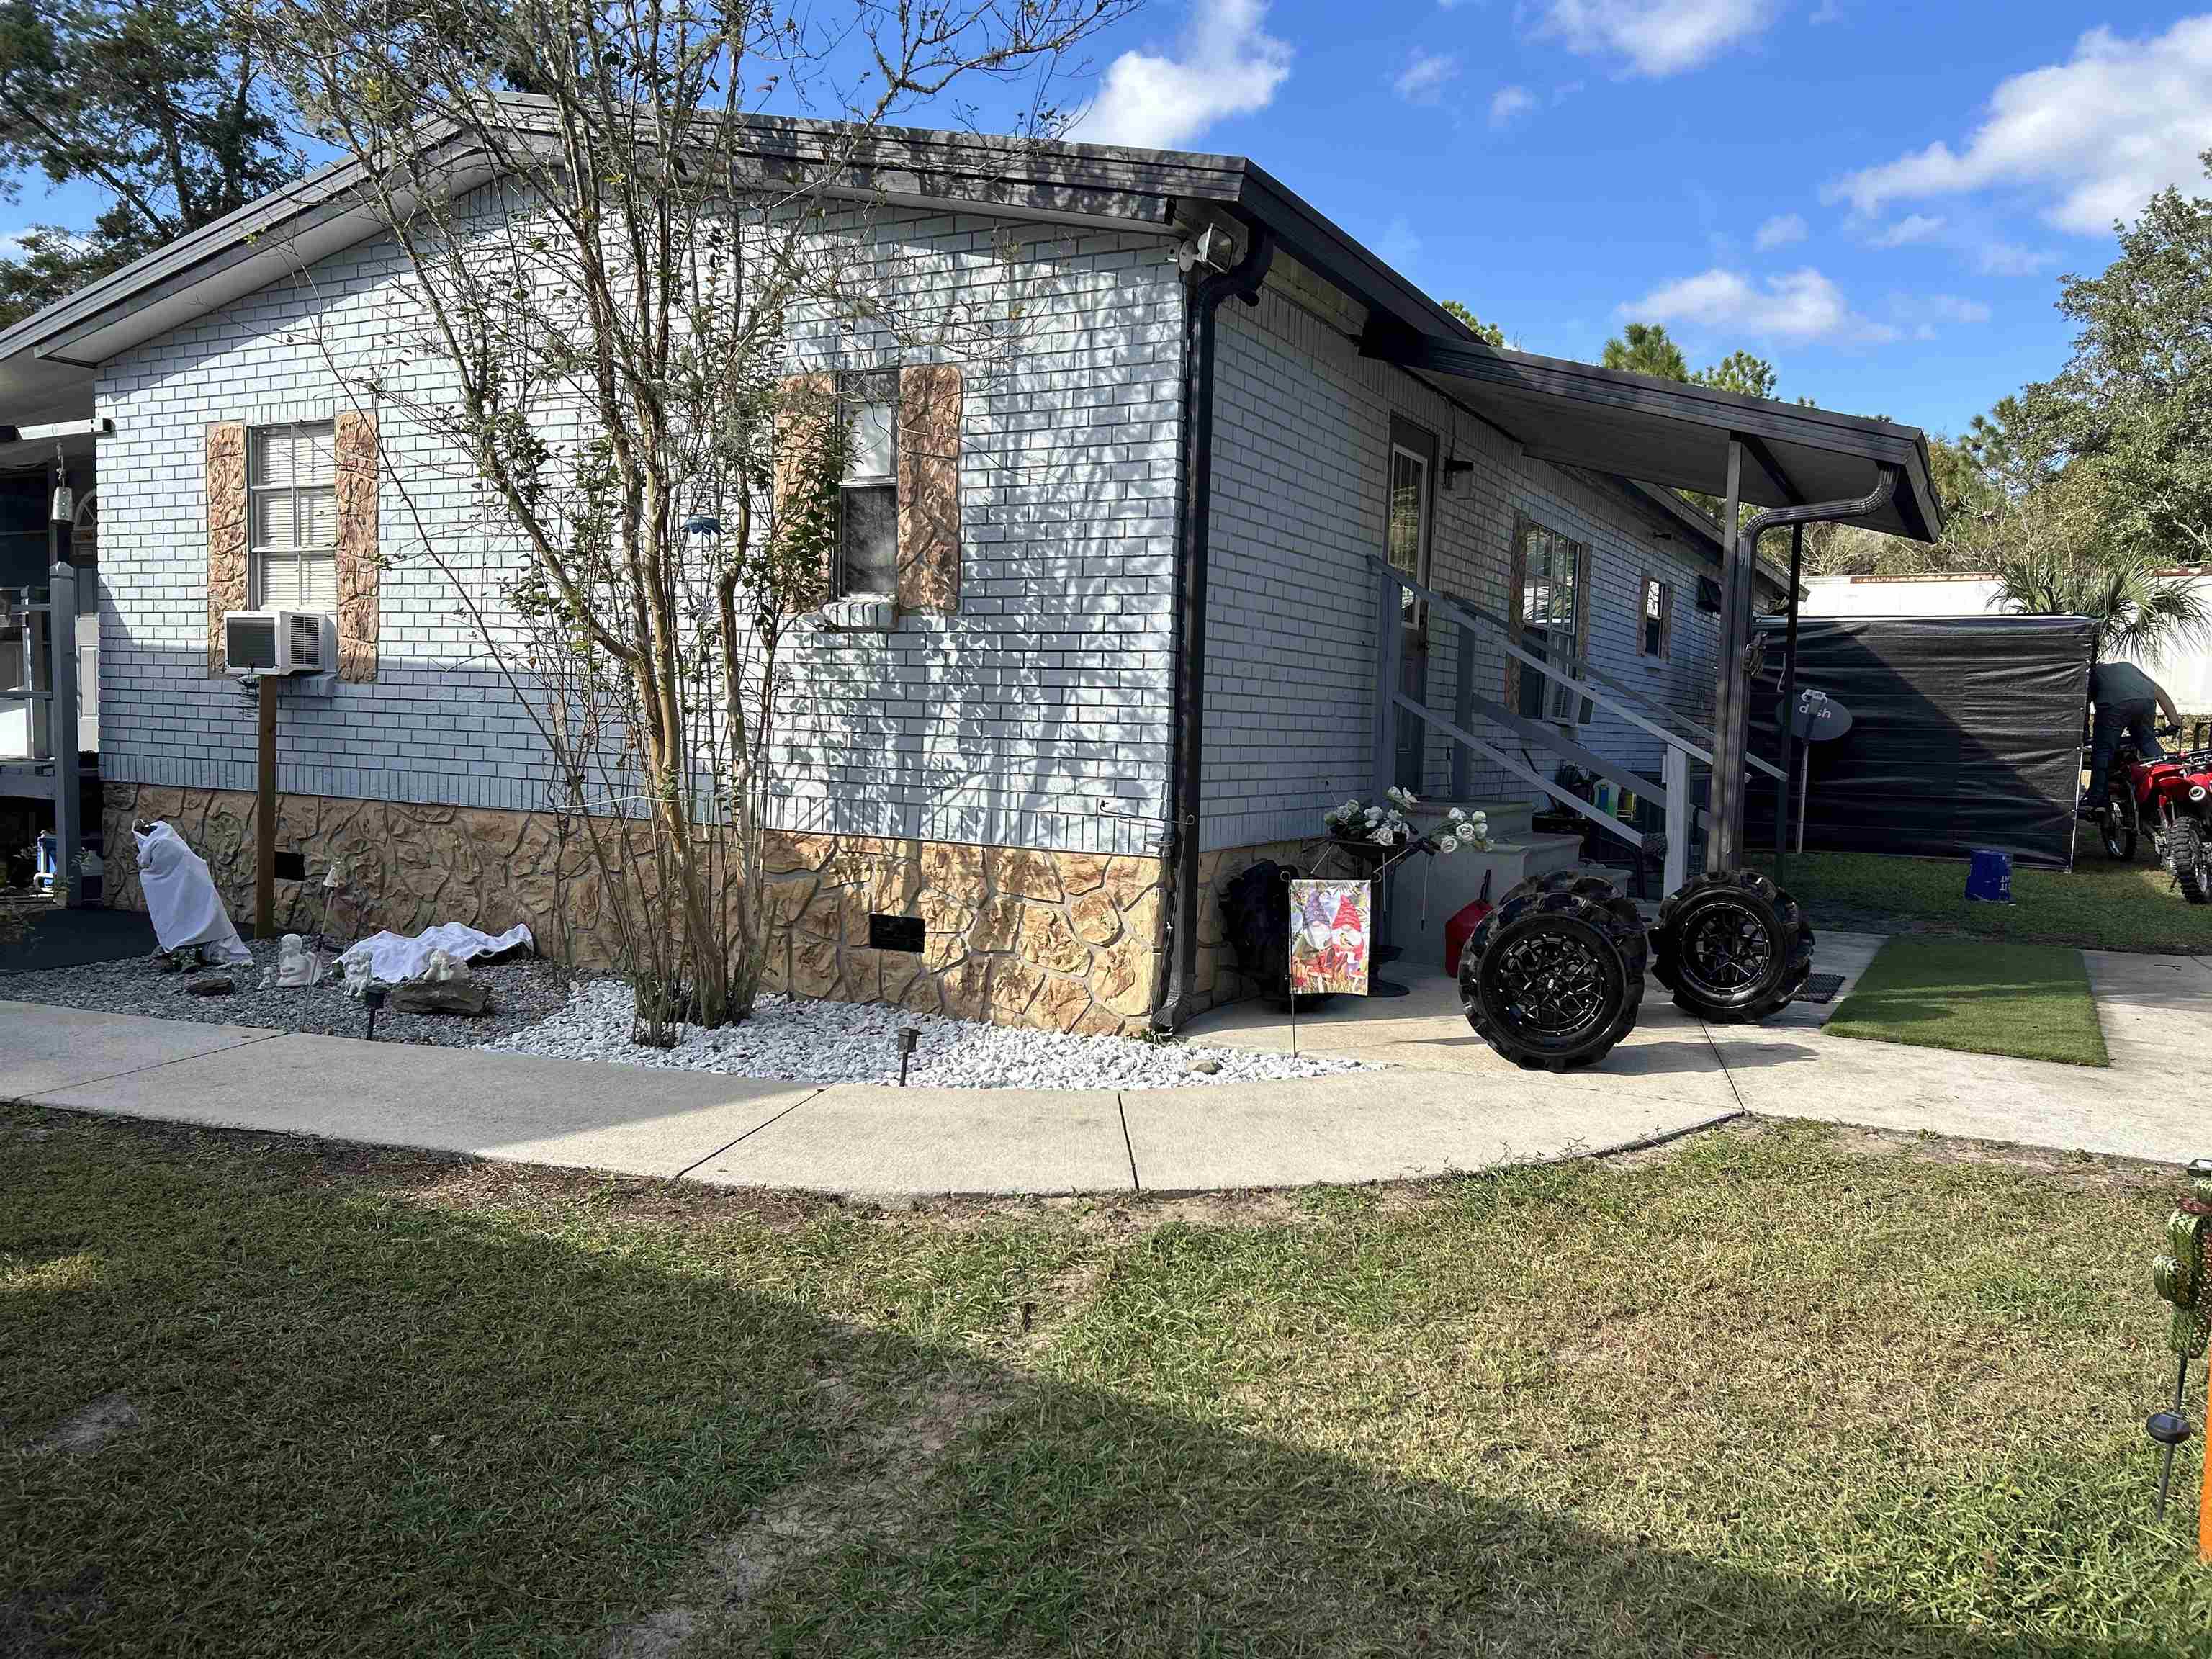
<point>471,998</point>
<point>216,985</point>
<point>804,1041</point>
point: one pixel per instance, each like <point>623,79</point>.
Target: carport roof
<point>1574,413</point>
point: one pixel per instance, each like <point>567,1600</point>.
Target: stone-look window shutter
<point>227,578</point>
<point>807,400</point>
<point>1516,586</point>
<point>358,572</point>
<point>929,488</point>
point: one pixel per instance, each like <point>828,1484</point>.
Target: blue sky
<point>1879,198</point>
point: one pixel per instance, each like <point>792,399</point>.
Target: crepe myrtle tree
<point>606,284</point>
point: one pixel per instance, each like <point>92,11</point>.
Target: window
<point>867,535</point>
<point>1551,618</point>
<point>1409,513</point>
<point>1658,617</point>
<point>294,515</point>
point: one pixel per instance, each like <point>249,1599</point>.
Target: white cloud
<point>1508,105</point>
<point>1224,64</point>
<point>2010,259</point>
<point>1781,231</point>
<point>1398,244</point>
<point>1799,304</point>
<point>1657,37</point>
<point>1951,308</point>
<point>1913,227</point>
<point>2101,133</point>
<point>1425,76</point>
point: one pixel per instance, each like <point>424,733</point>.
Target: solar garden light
<point>2179,1278</point>
<point>371,996</point>
<point>908,1036</point>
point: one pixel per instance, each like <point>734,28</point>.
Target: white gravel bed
<point>524,989</point>
<point>811,1041</point>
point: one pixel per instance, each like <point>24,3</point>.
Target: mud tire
<point>1546,980</point>
<point>1733,948</point>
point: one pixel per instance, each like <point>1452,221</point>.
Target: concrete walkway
<point>1446,1103</point>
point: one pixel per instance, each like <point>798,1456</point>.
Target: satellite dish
<point>1819,717</point>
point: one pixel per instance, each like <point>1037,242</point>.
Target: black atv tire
<point>1733,948</point>
<point>1545,980</point>
<point>2192,859</point>
<point>1635,953</point>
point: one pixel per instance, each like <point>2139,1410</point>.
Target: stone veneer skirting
<point>1052,940</point>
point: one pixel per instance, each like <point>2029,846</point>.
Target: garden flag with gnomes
<point>1329,936</point>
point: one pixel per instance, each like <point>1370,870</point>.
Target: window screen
<point>294,511</point>
<point>1551,612</point>
<point>1658,604</point>
<point>868,537</point>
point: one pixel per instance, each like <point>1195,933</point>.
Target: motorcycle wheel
<point>1733,947</point>
<point>1545,981</point>
<point>2192,859</point>
<point>2117,828</point>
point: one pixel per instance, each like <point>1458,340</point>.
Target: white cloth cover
<point>181,899</point>
<point>394,958</point>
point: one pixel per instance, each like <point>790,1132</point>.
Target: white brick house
<point>1036,772</point>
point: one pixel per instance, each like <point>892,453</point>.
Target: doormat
<point>1820,987</point>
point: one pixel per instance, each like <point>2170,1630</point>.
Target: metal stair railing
<point>1582,679</point>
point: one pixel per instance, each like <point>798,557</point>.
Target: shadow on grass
<point>382,1426</point>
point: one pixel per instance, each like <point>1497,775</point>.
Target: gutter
<point>1187,630</point>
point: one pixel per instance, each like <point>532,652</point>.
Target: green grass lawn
<point>2098,906</point>
<point>1980,996</point>
<point>1770,1391</point>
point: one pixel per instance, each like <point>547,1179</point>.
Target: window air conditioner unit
<point>280,641</point>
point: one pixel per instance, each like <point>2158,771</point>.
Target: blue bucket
<point>1989,876</point>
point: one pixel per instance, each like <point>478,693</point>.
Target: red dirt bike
<point>2170,800</point>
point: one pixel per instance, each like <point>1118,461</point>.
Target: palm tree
<point>2140,609</point>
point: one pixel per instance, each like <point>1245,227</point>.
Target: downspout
<point>1727,830</point>
<point>1187,627</point>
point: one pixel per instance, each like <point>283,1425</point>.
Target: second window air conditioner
<point>280,641</point>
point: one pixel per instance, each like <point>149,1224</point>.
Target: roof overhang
<point>1573,414</point>
<point>1666,433</point>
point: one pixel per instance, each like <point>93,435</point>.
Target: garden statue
<point>2180,1278</point>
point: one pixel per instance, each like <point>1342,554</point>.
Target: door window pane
<point>1551,615</point>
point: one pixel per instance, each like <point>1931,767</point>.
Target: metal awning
<point>1666,433</point>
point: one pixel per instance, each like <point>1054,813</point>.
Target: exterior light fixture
<point>908,1036</point>
<point>703,524</point>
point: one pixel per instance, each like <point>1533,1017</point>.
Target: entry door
<point>1412,470</point>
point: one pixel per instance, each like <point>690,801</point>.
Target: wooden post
<point>264,850</point>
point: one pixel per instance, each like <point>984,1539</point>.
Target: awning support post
<point>1785,721</point>
<point>1721,841</point>
<point>1732,687</point>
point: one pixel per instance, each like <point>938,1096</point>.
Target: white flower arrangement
<point>1387,825</point>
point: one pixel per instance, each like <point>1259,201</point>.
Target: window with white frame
<point>1658,617</point>
<point>867,518</point>
<point>1551,602</point>
<point>292,475</point>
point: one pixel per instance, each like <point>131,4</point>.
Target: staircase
<point>1428,896</point>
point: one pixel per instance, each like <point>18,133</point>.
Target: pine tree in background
<point>159,105</point>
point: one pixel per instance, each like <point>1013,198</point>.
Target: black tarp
<point>1966,732</point>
